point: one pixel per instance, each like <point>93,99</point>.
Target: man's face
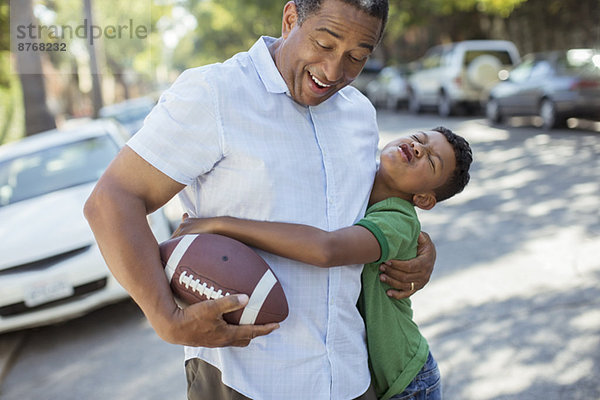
<point>325,53</point>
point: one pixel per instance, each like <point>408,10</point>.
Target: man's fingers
<point>396,294</point>
<point>406,283</point>
<point>242,332</point>
<point>402,275</point>
<point>249,332</point>
<point>228,303</point>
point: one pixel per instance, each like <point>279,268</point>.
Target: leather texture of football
<point>209,266</point>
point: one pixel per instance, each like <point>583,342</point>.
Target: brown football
<point>207,266</point>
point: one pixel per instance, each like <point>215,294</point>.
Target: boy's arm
<point>351,245</point>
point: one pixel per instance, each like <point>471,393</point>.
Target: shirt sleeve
<point>182,136</point>
<point>396,230</point>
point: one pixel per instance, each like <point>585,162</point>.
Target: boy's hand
<point>190,226</point>
<point>411,275</point>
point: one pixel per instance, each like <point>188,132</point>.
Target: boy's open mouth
<point>407,151</point>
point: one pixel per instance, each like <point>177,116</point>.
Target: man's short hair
<point>375,8</point>
<point>464,157</point>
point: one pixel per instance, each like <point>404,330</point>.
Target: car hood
<point>44,226</point>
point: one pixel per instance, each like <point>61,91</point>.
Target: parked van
<point>459,74</point>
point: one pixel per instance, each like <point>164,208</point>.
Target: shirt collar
<point>267,70</point>
<point>265,66</point>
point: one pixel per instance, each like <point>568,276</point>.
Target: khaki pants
<point>204,383</point>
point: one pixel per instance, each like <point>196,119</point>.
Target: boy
<point>419,170</point>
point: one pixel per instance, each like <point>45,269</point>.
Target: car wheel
<point>414,106</point>
<point>445,107</point>
<point>550,117</point>
<point>492,111</point>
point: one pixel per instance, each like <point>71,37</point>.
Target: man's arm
<point>351,245</point>
<point>116,211</point>
<point>411,275</point>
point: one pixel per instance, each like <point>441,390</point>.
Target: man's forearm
<point>128,245</point>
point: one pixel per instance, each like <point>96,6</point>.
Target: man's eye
<point>323,46</point>
<point>416,138</point>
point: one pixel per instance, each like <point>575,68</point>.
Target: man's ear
<point>424,201</point>
<point>290,18</point>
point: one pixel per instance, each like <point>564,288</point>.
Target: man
<point>252,138</point>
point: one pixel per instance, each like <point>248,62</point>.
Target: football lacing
<point>200,287</point>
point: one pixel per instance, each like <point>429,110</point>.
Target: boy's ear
<point>290,18</point>
<point>424,201</point>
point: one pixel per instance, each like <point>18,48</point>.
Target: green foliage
<point>226,27</point>
<point>12,123</point>
<point>11,107</point>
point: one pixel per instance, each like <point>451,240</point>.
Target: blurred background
<point>511,311</point>
<point>187,33</point>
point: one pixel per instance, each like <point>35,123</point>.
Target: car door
<point>533,88</point>
<point>511,96</point>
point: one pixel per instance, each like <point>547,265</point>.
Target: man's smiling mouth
<point>318,82</point>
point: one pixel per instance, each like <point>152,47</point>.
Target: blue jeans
<point>427,385</point>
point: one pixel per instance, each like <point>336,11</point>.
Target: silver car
<point>389,88</point>
<point>51,268</point>
<point>554,85</point>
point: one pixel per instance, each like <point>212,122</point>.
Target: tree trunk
<point>29,67</point>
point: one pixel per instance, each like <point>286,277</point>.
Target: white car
<point>459,74</point>
<point>51,268</point>
<point>129,113</point>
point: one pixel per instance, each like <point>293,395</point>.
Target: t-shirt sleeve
<point>182,136</point>
<point>396,231</point>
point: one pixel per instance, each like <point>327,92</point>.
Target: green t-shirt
<point>397,350</point>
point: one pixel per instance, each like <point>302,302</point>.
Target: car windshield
<point>501,55</point>
<point>55,168</point>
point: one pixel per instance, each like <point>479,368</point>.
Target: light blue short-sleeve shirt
<point>244,148</point>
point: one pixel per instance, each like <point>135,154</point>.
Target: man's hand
<point>411,275</point>
<point>202,325</point>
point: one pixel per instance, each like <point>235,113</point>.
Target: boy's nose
<point>418,149</point>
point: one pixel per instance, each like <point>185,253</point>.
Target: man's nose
<point>333,68</point>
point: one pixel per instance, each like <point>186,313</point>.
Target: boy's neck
<point>381,191</point>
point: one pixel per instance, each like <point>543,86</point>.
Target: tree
<point>37,114</point>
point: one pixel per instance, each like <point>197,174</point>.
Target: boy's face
<point>417,164</point>
<point>326,52</point>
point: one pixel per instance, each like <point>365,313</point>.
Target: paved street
<point>512,311</point>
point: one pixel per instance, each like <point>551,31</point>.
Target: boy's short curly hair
<point>464,157</point>
<point>375,8</point>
